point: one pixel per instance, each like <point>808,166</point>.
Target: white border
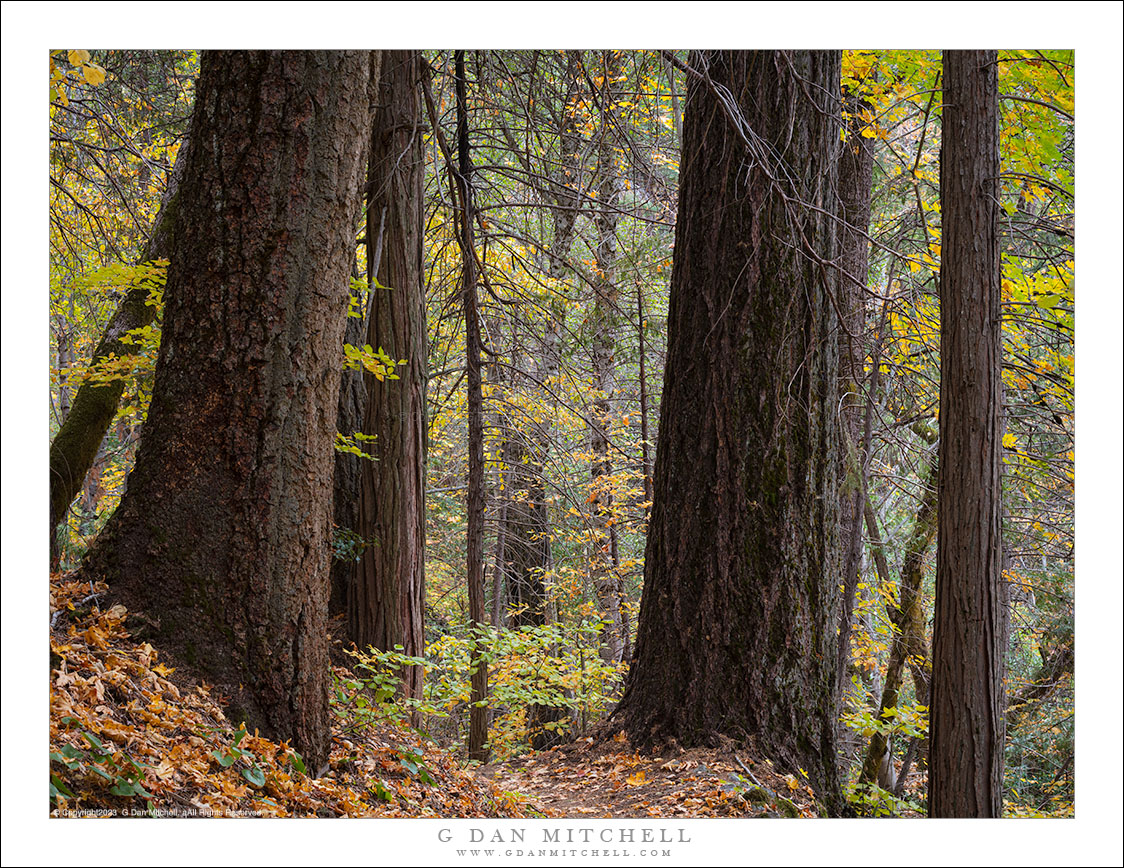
<point>30,28</point>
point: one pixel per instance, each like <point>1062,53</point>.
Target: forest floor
<point>608,778</point>
<point>131,736</point>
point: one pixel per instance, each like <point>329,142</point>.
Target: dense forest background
<point>607,307</point>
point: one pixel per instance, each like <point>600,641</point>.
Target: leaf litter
<point>130,738</point>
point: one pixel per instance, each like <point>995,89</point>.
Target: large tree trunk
<point>224,532</point>
<point>737,623</point>
<point>970,630</point>
<point>95,404</point>
<point>388,595</point>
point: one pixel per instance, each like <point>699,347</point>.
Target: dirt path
<point>609,779</point>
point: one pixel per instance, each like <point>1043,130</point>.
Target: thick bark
<point>224,533</point>
<point>738,618</point>
<point>478,716</point>
<point>386,607</point>
<point>95,404</point>
<point>970,630</point>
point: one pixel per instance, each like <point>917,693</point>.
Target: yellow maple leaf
<point>638,779</point>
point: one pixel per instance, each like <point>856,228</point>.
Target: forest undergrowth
<point>130,736</point>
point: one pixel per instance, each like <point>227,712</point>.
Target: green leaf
<point>59,788</point>
<point>254,775</point>
<point>381,792</point>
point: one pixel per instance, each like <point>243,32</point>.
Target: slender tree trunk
<point>348,467</point>
<point>908,618</point>
<point>645,443</point>
<point>1057,666</point>
<point>738,618</point>
<point>387,604</point>
<point>478,717</point>
<point>604,573</point>
<point>970,630</point>
<point>527,527</point>
<point>95,404</point>
<point>224,533</point>
<point>856,172</point>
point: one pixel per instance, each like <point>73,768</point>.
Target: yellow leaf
<point>1009,441</point>
<point>93,73</point>
<point>637,780</point>
<point>78,56</point>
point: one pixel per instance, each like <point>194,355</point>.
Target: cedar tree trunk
<point>387,602</point>
<point>969,629</point>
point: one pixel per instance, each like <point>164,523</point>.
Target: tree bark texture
<point>388,600</point>
<point>737,632</point>
<point>969,633</point>
<point>82,430</point>
<point>224,532</point>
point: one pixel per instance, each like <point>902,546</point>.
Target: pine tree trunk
<point>738,621</point>
<point>969,630</point>
<point>224,532</point>
<point>388,595</point>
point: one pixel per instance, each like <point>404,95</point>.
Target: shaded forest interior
<point>549,395</point>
